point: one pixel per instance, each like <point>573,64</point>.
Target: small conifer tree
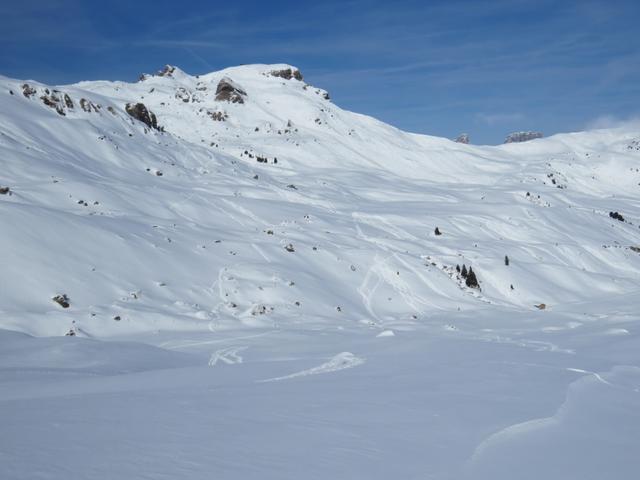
<point>506,260</point>
<point>463,273</point>
<point>472,281</point>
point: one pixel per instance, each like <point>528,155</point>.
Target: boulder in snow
<point>229,91</point>
<point>140,112</point>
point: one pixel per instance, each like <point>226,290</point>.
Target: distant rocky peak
<point>166,71</point>
<point>463,138</point>
<point>518,137</point>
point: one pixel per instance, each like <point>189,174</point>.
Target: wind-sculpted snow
<point>175,271</point>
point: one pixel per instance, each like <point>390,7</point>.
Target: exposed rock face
<point>54,100</point>
<point>518,137</point>
<point>287,74</point>
<point>463,138</point>
<point>229,91</point>
<point>140,112</point>
<point>166,71</point>
<point>28,90</point>
<point>88,106</point>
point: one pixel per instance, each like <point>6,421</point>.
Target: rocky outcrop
<point>287,74</point>
<point>28,91</point>
<point>183,94</point>
<point>88,106</point>
<point>166,71</point>
<point>140,112</point>
<point>518,137</point>
<point>229,91</point>
<point>218,116</point>
<point>463,138</point>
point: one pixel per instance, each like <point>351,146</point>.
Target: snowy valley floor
<point>492,395</point>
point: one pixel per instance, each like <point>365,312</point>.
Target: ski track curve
<point>341,361</point>
<point>227,355</point>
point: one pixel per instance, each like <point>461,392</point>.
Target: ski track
<point>227,355</point>
<point>244,211</point>
<point>341,361</point>
<point>191,343</point>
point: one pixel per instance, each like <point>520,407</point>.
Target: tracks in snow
<point>227,355</point>
<point>341,361</point>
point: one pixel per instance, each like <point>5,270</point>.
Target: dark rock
<point>48,101</point>
<point>62,300</point>
<point>287,74</point>
<point>518,137</point>
<point>5,191</point>
<point>28,91</point>
<point>289,248</point>
<point>229,91</point>
<point>183,94</point>
<point>437,231</point>
<point>140,112</point>
<point>88,106</point>
<point>218,116</point>
<point>463,138</point>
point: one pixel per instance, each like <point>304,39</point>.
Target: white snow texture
<point>256,290</point>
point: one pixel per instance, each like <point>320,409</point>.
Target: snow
<point>205,347</point>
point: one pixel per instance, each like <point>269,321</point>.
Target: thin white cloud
<point>613,121</point>
<point>492,119</point>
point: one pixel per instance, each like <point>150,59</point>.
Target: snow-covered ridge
<point>262,202</point>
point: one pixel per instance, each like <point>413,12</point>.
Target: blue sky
<point>436,67</point>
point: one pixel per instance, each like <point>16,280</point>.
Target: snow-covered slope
<point>267,296</point>
<point>188,228</point>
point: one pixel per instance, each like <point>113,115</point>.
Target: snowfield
<point>257,290</point>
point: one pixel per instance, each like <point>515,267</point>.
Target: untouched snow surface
<point>258,291</point>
